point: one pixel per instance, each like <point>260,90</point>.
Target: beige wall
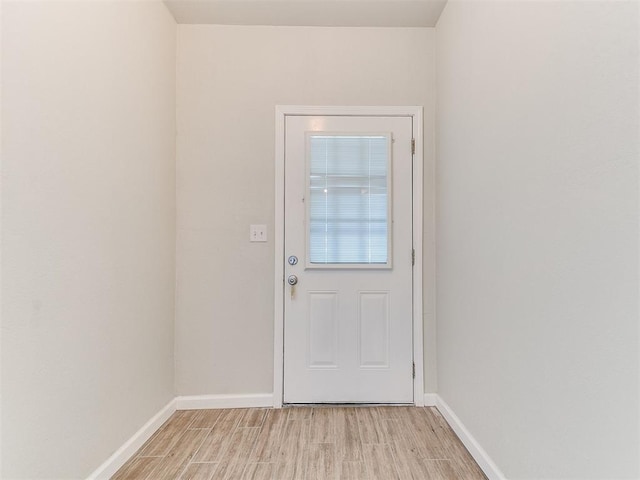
<point>88,219</point>
<point>229,81</point>
<point>537,214</point>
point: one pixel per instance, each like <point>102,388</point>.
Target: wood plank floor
<point>303,443</point>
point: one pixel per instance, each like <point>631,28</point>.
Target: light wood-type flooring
<point>304,443</point>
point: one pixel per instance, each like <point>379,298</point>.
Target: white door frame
<point>282,111</point>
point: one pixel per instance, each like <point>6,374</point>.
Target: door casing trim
<point>282,111</point>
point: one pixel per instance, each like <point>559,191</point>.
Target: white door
<point>348,253</point>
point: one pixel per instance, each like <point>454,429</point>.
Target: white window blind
<point>348,199</point>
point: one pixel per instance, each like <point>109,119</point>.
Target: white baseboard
<point>131,446</point>
<point>487,465</point>
<point>196,402</point>
<point>430,399</point>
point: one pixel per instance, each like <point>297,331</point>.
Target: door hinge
<point>413,146</point>
<point>413,371</point>
<point>413,256</point>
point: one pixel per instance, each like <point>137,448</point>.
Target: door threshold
<point>345,404</point>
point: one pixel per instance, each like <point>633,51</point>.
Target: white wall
<point>537,243</point>
<point>229,81</point>
<point>88,218</point>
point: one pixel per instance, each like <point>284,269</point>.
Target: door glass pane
<point>348,199</point>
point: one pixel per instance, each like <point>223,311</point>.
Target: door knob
<point>292,280</point>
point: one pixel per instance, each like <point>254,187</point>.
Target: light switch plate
<point>258,233</point>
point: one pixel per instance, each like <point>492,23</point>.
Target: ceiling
<point>330,13</point>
